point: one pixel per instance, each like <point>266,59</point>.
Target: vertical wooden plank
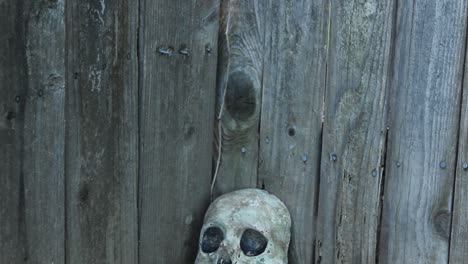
<point>459,232</point>
<point>178,77</point>
<point>44,132</point>
<point>354,130</point>
<point>422,142</point>
<point>290,133</point>
<point>102,131</point>
<point>239,94</point>
<point>12,73</point>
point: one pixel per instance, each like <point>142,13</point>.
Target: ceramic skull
<point>243,227</point>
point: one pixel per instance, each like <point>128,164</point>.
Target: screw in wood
<point>164,51</point>
<point>443,165</point>
<point>243,150</point>
<point>305,157</point>
<point>398,164</point>
<point>17,99</point>
<point>374,173</point>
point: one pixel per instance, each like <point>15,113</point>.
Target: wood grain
<point>239,94</point>
<point>177,96</point>
<point>44,132</point>
<point>291,116</point>
<point>459,229</point>
<point>354,131</point>
<point>425,101</point>
<point>12,84</point>
<point>102,131</point>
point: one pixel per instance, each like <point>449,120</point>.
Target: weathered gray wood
<point>102,131</point>
<point>459,232</point>
<point>354,131</point>
<point>239,94</point>
<point>12,73</point>
<point>425,98</point>
<point>177,94</point>
<point>44,132</point>
<point>293,85</point>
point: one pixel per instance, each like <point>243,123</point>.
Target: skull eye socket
<point>253,243</point>
<point>211,240</point>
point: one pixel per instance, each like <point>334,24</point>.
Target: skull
<point>245,226</point>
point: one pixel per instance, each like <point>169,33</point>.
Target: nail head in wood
<point>465,165</point>
<point>165,51</point>
<point>334,157</point>
<point>184,51</point>
<point>443,165</point>
<point>208,49</point>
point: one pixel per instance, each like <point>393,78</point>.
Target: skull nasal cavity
<point>253,243</point>
<point>224,261</point>
<point>212,238</point>
<point>240,96</point>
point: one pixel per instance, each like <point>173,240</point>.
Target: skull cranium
<point>245,226</point>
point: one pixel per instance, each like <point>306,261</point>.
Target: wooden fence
<point>354,113</point>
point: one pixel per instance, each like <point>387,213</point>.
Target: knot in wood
<point>442,224</point>
<point>241,99</point>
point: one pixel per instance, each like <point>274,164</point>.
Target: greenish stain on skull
<point>236,212</point>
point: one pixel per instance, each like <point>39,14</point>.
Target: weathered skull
<point>245,226</point>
